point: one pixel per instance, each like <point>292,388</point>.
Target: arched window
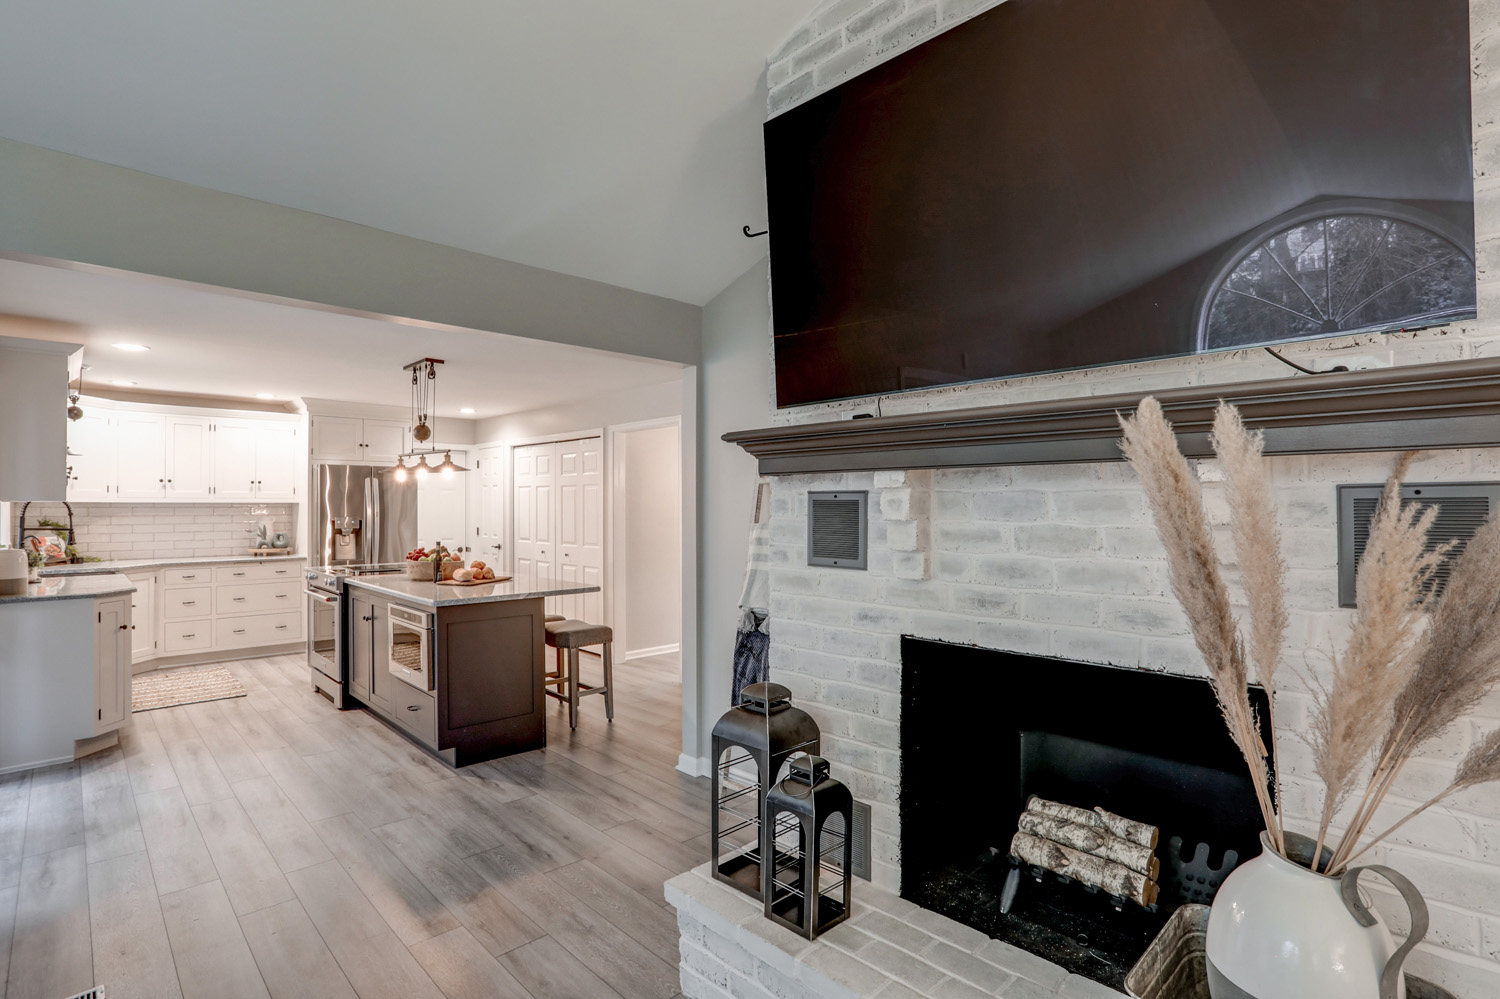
<point>1338,267</point>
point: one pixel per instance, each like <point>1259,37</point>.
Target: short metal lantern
<point>810,816</point>
<point>750,744</point>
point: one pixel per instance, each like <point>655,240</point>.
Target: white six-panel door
<point>489,544</point>
<point>559,511</point>
<point>536,494</point>
<point>580,526</point>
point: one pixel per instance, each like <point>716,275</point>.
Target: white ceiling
<point>207,343</point>
<point>618,141</point>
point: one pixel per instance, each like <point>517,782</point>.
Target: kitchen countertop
<point>74,588</point>
<point>132,564</point>
<point>433,595</point>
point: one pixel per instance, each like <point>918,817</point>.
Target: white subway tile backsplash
<point>114,531</point>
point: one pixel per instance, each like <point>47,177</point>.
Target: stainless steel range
<point>326,629</point>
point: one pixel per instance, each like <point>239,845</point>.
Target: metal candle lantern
<point>750,744</point>
<point>809,815</point>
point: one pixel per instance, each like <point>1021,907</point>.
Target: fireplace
<point>982,731</point>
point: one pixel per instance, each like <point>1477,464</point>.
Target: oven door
<point>323,633</point>
<point>410,646</point>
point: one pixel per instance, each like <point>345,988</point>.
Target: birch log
<point>1116,879</point>
<point>1092,840</point>
<point>1127,829</point>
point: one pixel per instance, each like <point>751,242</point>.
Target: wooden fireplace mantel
<point>1452,404</point>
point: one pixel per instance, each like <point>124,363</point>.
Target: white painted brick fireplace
<point>1061,560</point>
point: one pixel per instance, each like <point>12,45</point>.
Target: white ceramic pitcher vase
<point>1278,931</point>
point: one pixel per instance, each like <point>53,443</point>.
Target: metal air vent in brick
<point>1462,507</point>
<point>836,531</point>
<point>859,863</point>
<point>97,992</point>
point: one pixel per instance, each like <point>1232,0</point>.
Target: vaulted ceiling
<point>618,141</point>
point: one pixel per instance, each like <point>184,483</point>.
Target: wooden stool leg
<point>609,682</point>
<point>572,688</point>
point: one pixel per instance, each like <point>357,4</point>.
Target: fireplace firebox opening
<point>983,730</point>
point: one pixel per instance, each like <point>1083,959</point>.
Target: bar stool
<point>557,677</point>
<point>571,636</point>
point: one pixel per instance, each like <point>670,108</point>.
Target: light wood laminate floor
<point>271,846</point>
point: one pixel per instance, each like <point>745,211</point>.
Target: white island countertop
<point>167,561</point>
<point>74,588</point>
<point>437,595</point>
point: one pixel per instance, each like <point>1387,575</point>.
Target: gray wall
<point>61,208</point>
<point>732,390</point>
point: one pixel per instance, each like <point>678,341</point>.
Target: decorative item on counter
<point>1097,848</point>
<point>809,816</point>
<point>15,571</point>
<point>432,565</point>
<point>281,540</point>
<point>1414,666</point>
<point>750,744</point>
<point>260,536</point>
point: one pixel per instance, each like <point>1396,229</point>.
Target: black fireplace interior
<point>1146,745</point>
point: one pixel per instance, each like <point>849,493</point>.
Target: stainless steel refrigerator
<point>363,514</point>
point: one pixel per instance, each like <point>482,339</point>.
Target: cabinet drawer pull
<point>239,574</point>
<point>414,707</point>
<point>239,631</point>
<point>239,600</point>
<point>190,634</point>
<point>281,627</point>
<point>190,575</point>
<point>282,596</point>
<point>188,603</point>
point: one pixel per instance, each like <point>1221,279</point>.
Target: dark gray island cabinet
<point>457,670</point>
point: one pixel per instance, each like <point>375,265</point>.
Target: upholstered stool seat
<point>569,636</point>
<point>553,617</point>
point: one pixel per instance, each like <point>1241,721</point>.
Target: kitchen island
<point>457,669</point>
<point>64,669</point>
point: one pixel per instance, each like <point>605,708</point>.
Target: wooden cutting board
<point>476,582</point>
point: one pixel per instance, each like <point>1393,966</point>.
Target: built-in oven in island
<point>410,655</point>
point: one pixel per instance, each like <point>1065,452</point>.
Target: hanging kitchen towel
<point>752,642</point>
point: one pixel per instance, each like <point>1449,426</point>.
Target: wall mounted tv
<point>1067,183</point>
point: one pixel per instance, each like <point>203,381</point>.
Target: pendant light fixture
<point>423,416</point>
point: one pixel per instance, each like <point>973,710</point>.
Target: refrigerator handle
<point>372,484</point>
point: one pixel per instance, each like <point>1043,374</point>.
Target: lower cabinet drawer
<point>187,602</point>
<point>186,636</point>
<point>195,576</point>
<point>258,629</point>
<point>257,598</point>
<point>415,710</point>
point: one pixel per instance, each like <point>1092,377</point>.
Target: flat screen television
<point>1060,184</point>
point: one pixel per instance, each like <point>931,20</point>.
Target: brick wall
<point>1062,560</point>
<point>152,530</point>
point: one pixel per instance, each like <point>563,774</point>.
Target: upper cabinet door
<point>234,459</point>
<point>190,453</point>
<point>278,461</point>
<point>141,443</point>
<point>338,438</point>
<point>383,440</point>
<point>91,461</point>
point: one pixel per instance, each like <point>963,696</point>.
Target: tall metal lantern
<point>809,816</point>
<point>750,744</point>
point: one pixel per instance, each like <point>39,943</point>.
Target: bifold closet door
<point>535,500</point>
<point>580,526</point>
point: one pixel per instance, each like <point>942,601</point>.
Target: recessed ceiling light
<point>133,348</point>
<point>264,395</point>
<point>120,381</point>
<point>467,411</point>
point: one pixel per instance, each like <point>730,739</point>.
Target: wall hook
<point>752,235</point>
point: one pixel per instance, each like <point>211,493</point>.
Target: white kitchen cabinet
<point>190,458</point>
<point>92,461</point>
<point>347,438</point>
<point>111,663</point>
<point>234,459</point>
<point>384,441</point>
<point>141,446</point>
<point>278,461</point>
<point>143,616</point>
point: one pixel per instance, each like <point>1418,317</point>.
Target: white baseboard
<point>693,766</point>
<point>17,768</point>
<point>656,650</point>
